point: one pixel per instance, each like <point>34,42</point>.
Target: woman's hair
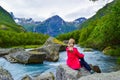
<point>71,41</point>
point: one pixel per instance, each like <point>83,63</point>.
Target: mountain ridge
<point>52,26</point>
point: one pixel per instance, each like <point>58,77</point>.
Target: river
<point>106,64</point>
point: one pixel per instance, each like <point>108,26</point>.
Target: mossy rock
<point>63,45</point>
<point>88,50</point>
<point>112,51</point>
<point>58,42</point>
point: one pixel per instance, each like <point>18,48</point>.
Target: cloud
<point>42,9</point>
<point>87,11</point>
<point>82,12</point>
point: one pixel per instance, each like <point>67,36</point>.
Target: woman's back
<point>73,58</point>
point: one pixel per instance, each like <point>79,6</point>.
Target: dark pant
<point>85,64</point>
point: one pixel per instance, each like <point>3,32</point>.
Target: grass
<point>118,60</point>
<point>112,51</point>
<point>59,42</point>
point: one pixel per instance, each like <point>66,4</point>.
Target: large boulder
<point>5,75</point>
<point>6,51</point>
<point>51,47</point>
<point>26,57</point>
<point>66,73</point>
<point>36,57</point>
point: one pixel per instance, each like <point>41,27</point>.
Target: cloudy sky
<point>43,9</point>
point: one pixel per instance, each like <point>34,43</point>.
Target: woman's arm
<point>78,53</point>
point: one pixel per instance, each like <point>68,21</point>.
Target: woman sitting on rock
<point>75,59</point>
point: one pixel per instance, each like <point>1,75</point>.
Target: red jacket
<point>73,58</point>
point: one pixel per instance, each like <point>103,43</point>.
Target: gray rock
<point>41,49</point>
<point>102,76</point>
<point>52,48</point>
<point>26,57</point>
<point>66,73</point>
<point>5,75</point>
<point>45,76</point>
<point>6,51</point>
<point>13,50</point>
<point>10,59</point>
<point>36,57</point>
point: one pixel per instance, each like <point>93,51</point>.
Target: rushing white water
<point>106,64</point>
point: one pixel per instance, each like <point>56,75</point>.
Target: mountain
<point>28,24</point>
<point>79,20</point>
<point>52,26</point>
<point>7,22</point>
